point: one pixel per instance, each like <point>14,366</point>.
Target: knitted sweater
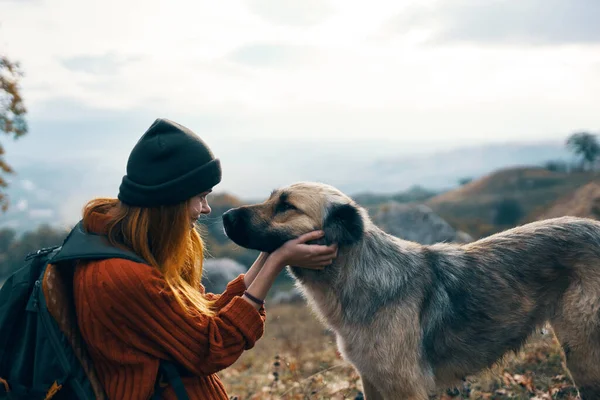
<point>129,324</point>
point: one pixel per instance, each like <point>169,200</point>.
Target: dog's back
<point>488,296</point>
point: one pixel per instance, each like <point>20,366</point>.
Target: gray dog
<point>414,319</point>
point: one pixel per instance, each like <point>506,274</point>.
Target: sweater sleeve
<point>135,304</point>
<point>234,288</point>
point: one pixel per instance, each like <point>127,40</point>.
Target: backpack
<point>42,353</point>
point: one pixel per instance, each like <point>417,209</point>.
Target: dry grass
<point>584,202</point>
<point>513,180</point>
<point>298,359</point>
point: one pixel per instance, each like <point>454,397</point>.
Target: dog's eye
<point>283,207</point>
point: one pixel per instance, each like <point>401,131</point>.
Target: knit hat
<point>168,165</point>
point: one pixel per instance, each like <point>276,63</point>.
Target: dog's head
<point>293,211</point>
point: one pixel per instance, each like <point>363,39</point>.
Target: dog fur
<point>414,319</point>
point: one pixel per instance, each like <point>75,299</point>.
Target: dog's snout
<point>235,225</point>
<point>234,217</point>
<point>228,217</point>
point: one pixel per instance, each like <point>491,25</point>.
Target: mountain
<point>53,190</point>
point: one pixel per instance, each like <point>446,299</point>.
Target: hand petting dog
<point>297,253</point>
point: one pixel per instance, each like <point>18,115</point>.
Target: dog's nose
<point>228,218</point>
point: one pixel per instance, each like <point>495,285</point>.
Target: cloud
<point>105,64</point>
<point>12,224</point>
<point>41,213</point>
<point>520,22</point>
<point>21,205</point>
<point>270,55</point>
<point>27,185</point>
<point>292,12</point>
<point>69,132</point>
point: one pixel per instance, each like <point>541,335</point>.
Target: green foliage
<point>556,166</point>
<point>508,212</point>
<point>596,208</point>
<point>586,146</point>
<point>464,181</point>
<point>7,237</point>
<point>13,250</point>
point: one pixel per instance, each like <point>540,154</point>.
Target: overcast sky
<point>317,67</point>
<point>444,73</point>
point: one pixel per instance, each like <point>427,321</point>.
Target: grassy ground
<point>297,359</point>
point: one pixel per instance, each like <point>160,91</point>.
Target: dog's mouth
<point>240,227</point>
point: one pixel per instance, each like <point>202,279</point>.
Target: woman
<point>133,315</point>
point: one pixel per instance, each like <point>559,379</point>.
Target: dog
<point>414,319</point>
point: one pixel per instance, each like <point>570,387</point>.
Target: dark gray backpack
<point>42,354</point>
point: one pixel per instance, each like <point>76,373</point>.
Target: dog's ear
<point>343,225</point>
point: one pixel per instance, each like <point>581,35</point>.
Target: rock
<point>463,237</point>
<point>289,296</point>
<point>218,272</point>
<point>417,223</point>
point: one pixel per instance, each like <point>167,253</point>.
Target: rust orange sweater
<point>129,324</point>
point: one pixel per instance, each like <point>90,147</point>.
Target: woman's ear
<point>343,225</point>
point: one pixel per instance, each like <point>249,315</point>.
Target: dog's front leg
<point>370,391</point>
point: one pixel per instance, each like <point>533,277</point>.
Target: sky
<point>367,79</point>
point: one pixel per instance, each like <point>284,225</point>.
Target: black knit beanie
<point>168,165</point>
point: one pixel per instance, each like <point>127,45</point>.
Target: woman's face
<point>199,205</point>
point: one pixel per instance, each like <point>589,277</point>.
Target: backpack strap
<point>169,371</point>
<point>83,245</point>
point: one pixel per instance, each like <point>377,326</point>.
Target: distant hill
<point>583,202</point>
<point>471,207</point>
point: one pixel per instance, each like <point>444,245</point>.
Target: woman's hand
<point>297,253</point>
<point>294,252</point>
